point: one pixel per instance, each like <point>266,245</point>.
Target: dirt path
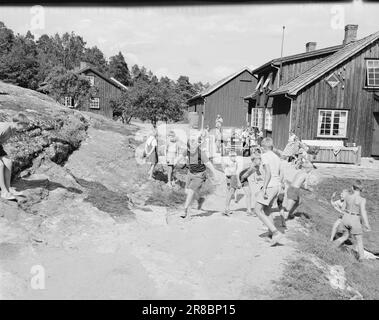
<point>87,252</point>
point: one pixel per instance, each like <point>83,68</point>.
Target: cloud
<point>132,59</point>
<point>163,72</point>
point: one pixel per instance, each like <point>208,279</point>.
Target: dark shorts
<point>2,151</point>
<point>153,158</point>
<point>244,182</point>
<point>195,180</point>
<point>232,182</point>
<point>293,193</point>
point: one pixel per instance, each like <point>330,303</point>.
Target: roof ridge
<point>316,71</point>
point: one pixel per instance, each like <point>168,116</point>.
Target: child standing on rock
<point>7,130</point>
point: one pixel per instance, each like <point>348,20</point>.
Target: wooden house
<point>108,89</point>
<point>322,95</point>
<point>226,97</point>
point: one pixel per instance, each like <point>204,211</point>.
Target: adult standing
<point>273,179</point>
<point>151,151</point>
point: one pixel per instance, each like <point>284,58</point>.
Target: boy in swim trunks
<point>254,170</point>
<point>273,178</point>
<point>355,213</point>
<point>230,168</point>
<point>338,205</point>
<point>293,191</point>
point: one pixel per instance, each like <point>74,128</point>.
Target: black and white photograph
<point>203,151</point>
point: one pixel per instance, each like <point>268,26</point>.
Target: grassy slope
<point>302,279</point>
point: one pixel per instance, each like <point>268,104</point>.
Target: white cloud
<point>163,72</point>
<point>132,59</point>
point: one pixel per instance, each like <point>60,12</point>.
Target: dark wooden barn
<point>328,94</point>
<point>226,97</point>
<point>108,89</point>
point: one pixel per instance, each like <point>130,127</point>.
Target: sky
<point>205,43</point>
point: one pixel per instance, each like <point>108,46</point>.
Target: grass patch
<point>299,276</point>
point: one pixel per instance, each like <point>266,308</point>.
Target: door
<point>375,135</point>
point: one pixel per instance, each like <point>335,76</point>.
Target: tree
<point>20,65</point>
<point>73,49</point>
<point>118,69</point>
<point>6,39</point>
<point>95,57</point>
<point>66,83</point>
<point>155,101</point>
<point>123,107</point>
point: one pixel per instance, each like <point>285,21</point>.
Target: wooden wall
<point>280,121</point>
<point>106,93</point>
<point>228,102</point>
<point>349,94</point>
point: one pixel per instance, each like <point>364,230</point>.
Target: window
<point>373,73</point>
<point>91,80</point>
<point>68,101</point>
<point>94,103</point>
<point>268,119</point>
<point>332,123</point>
<point>256,117</point>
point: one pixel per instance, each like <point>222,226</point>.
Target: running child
<point>255,171</point>
<point>7,130</point>
<point>355,213</point>
<point>293,190</point>
<point>172,153</point>
<point>230,168</point>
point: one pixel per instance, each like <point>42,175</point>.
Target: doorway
<point>375,135</point>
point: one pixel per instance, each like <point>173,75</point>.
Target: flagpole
<point>281,59</point>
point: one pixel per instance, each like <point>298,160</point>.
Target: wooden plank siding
<point>228,102</point>
<point>106,93</point>
<point>349,94</point>
<point>280,121</point>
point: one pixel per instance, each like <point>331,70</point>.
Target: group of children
<point>263,181</point>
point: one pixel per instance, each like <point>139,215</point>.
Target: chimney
<point>350,33</point>
<point>310,46</point>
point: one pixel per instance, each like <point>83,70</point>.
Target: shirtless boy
<point>293,191</point>
<point>355,213</point>
<point>338,205</point>
<point>230,168</point>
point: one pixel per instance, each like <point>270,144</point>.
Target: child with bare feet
<point>293,190</point>
<point>230,167</point>
<point>355,213</point>
<point>338,205</point>
<point>7,130</point>
<point>255,171</point>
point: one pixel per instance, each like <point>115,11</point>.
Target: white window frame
<point>68,101</point>
<point>332,119</point>
<point>374,69</point>
<point>256,117</point>
<point>91,80</point>
<point>94,103</point>
<point>268,119</point>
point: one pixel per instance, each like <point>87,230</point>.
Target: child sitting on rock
<point>7,130</point>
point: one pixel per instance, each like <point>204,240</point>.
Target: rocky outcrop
<point>54,131</point>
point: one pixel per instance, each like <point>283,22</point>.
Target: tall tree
<point>118,69</point>
<point>73,49</point>
<point>95,57</point>
<point>20,65</point>
<point>6,39</point>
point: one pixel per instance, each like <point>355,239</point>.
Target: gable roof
<point>112,81</point>
<point>347,51</point>
<point>219,84</point>
<point>299,56</point>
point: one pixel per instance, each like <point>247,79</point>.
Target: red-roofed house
<point>327,94</point>
<point>226,98</point>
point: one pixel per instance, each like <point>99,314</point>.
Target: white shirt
<point>273,161</point>
<point>151,143</point>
